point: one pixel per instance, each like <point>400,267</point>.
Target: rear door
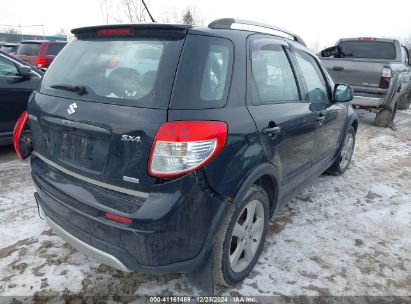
<point>284,120</point>
<point>29,52</point>
<point>97,116</point>
<point>330,117</point>
<point>14,93</point>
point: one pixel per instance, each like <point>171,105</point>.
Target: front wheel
<point>240,240</point>
<point>344,158</point>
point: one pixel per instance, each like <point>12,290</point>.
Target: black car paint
<point>174,228</point>
<point>14,94</point>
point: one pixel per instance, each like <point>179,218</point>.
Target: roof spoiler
<point>135,26</point>
<point>226,23</point>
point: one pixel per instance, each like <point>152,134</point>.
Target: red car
<point>39,53</point>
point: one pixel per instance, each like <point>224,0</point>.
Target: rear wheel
<point>241,238</point>
<point>385,117</point>
<point>404,103</point>
<point>344,158</point>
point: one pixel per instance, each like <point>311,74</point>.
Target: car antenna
<point>151,17</point>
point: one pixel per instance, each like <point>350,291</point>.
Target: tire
<point>404,104</point>
<point>230,273</point>
<point>385,117</point>
<point>344,157</point>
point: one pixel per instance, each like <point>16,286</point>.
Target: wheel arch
<point>267,176</point>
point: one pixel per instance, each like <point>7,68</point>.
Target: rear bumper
<point>172,231</point>
<point>368,100</point>
<point>95,253</point>
<point>6,138</point>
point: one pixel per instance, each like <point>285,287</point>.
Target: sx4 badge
<point>130,138</point>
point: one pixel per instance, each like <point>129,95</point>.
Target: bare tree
<point>134,11</point>
<point>191,16</point>
<point>12,30</point>
<point>105,9</point>
<point>62,32</point>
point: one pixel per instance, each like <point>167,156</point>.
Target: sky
<point>318,22</point>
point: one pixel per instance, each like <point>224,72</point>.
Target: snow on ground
<point>347,235</point>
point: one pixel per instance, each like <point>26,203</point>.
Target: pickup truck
<point>379,70</point>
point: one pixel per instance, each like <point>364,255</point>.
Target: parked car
<point>182,173</point>
<point>379,71</point>
<point>39,53</point>
<point>17,82</point>
<point>9,48</point>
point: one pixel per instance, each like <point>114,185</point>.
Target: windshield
<point>368,49</point>
<point>128,71</point>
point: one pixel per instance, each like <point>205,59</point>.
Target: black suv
<point>168,148</point>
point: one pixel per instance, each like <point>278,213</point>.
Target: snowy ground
<point>348,235</point>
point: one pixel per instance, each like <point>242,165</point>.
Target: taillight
<point>22,138</point>
<point>118,218</point>
<point>385,78</point>
<point>181,147</point>
<point>41,62</point>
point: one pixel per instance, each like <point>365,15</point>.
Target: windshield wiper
<point>80,90</point>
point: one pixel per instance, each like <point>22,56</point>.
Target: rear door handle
<point>338,68</point>
<point>271,130</point>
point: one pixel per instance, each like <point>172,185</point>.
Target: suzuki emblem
<point>72,108</point>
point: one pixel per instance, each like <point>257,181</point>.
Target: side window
<point>54,49</point>
<point>273,77</point>
<point>404,54</point>
<point>7,68</point>
<point>204,74</point>
<point>314,79</point>
<point>215,73</point>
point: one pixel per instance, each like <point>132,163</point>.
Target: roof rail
<point>226,23</point>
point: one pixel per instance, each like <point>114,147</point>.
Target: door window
<point>404,55</point>
<point>273,77</point>
<point>314,79</point>
<point>7,68</point>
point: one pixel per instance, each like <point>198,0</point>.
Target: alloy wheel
<point>246,236</point>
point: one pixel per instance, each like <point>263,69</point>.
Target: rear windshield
<point>368,49</point>
<point>126,71</point>
<point>55,48</point>
<point>28,49</point>
<point>8,49</point>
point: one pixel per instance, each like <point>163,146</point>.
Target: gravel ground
<point>342,236</point>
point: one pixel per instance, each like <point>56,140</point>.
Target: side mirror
<point>334,51</point>
<point>343,93</point>
<point>25,71</point>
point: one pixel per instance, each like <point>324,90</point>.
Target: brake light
<point>385,78</point>
<point>367,38</point>
<point>118,218</point>
<point>41,62</point>
<point>18,141</point>
<point>114,31</point>
<point>181,147</point>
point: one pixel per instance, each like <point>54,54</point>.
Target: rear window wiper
<point>80,90</point>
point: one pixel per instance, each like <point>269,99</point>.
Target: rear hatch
<point>29,52</point>
<point>97,112</point>
<point>361,63</point>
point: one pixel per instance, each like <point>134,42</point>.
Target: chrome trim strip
<point>89,180</point>
<point>96,254</point>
